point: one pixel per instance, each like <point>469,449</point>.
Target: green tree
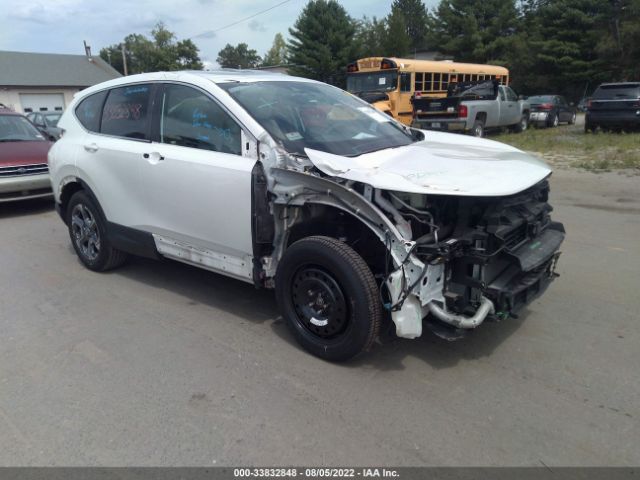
<point>277,54</point>
<point>159,53</point>
<point>563,46</point>
<point>396,42</point>
<point>370,37</point>
<point>619,45</point>
<point>415,19</point>
<point>473,31</point>
<point>321,42</point>
<point>240,56</point>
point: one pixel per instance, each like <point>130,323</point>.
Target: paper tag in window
<point>374,114</point>
<point>382,81</point>
<point>293,136</point>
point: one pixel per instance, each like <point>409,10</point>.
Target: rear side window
<point>89,111</point>
<point>617,92</point>
<point>126,112</point>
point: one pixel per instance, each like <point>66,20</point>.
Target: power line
<point>209,33</point>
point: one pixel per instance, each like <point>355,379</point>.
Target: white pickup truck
<point>472,107</point>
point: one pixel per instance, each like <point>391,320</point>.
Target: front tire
<point>329,298</point>
<point>87,229</point>
<point>523,124</point>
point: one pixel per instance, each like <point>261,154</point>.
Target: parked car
<point>582,104</point>
<point>614,106</point>
<point>353,218</point>
<point>24,172</point>
<point>551,110</point>
<point>47,122</point>
<point>472,107</point>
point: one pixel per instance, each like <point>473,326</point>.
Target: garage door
<point>42,102</point>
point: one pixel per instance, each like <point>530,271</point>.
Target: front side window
<point>126,112</point>
<point>511,95</point>
<point>189,118</point>
<point>405,82</point>
<point>303,115</point>
<point>89,111</point>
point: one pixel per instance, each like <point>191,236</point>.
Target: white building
<point>32,82</point>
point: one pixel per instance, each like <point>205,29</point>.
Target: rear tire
<point>329,298</point>
<point>572,121</point>
<point>87,229</point>
<point>554,121</point>
<point>478,129</point>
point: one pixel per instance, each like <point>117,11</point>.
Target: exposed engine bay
<point>445,261</point>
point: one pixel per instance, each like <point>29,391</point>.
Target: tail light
<point>462,111</point>
<point>589,103</point>
<point>546,106</point>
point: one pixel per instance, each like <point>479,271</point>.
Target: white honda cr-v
<point>356,220</point>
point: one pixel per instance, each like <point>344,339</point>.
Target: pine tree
<point>473,31</point>
<point>277,54</point>
<point>322,42</point>
<point>396,42</point>
<point>415,17</point>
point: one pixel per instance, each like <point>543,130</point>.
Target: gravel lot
<point>163,364</point>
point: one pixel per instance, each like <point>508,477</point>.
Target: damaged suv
<point>355,220</point>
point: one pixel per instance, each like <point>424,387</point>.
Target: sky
<point>60,26</point>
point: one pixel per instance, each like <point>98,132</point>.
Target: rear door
<point>111,156</point>
<point>198,178</point>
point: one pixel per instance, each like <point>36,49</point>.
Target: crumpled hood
<point>442,164</point>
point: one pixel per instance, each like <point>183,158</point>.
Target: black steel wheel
<point>328,298</point>
<point>87,229</point>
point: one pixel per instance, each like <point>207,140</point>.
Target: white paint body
<point>442,164</point>
<point>197,203</point>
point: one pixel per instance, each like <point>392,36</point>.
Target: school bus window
<point>419,82</point>
<point>445,81</point>
<point>405,82</point>
<point>436,81</point>
<point>428,82</point>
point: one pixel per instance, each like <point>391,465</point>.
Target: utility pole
<point>124,60</point>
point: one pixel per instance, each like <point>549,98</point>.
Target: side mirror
<point>572,104</point>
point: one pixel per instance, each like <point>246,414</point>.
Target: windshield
<point>540,99</point>
<point>303,115</point>
<point>616,92</point>
<point>14,128</point>
<point>372,82</point>
<point>52,119</point>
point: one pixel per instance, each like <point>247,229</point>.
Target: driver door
<point>199,182</point>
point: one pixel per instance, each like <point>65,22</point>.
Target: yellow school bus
<point>389,83</point>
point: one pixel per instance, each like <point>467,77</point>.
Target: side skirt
<point>131,240</point>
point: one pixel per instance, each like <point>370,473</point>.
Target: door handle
<point>153,157</point>
<point>92,147</point>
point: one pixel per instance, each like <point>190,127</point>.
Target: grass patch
<point>569,146</point>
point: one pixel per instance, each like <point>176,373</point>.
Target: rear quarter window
<point>89,111</point>
<point>126,112</point>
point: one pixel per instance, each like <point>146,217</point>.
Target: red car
<point>24,172</point>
